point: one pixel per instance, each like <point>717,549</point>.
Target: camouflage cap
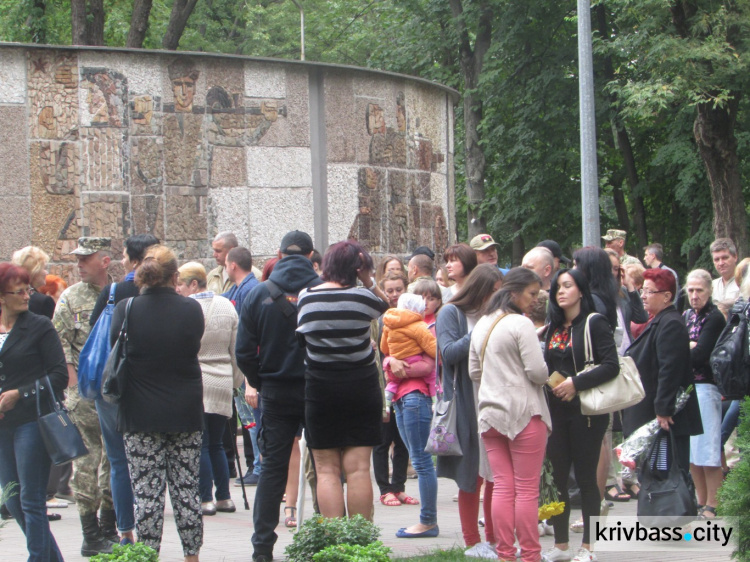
<point>613,234</point>
<point>88,245</point>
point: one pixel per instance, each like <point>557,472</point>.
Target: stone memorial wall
<point>110,142</point>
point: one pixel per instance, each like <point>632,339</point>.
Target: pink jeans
<point>468,512</point>
<point>516,466</point>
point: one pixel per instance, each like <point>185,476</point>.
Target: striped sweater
<point>334,326</point>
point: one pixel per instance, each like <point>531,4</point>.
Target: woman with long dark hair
<point>595,265</point>
<point>471,469</point>
<point>514,420</point>
<point>576,439</point>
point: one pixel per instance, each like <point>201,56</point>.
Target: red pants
<point>468,512</point>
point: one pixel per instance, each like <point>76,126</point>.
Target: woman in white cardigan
<point>220,376</point>
<point>513,419</point>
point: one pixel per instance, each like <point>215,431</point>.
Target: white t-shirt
<point>724,291</point>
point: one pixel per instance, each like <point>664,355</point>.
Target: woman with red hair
<point>662,355</point>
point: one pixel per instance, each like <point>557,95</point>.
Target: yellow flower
<point>550,510</point>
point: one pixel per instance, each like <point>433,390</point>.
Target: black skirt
<point>343,408</point>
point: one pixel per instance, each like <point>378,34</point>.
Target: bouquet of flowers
<point>632,450</point>
<point>549,505</point>
<point>244,411</point>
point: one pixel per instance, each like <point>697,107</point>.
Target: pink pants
<point>516,467</point>
<point>468,512</point>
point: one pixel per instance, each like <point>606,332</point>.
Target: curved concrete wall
<point>109,142</point>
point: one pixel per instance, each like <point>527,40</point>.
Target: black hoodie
<point>267,348</point>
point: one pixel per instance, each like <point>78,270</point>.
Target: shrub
<point>734,495</point>
<point>318,533</point>
<point>137,552</point>
<point>373,552</point>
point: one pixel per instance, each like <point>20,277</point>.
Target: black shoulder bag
<point>61,437</point>
<point>115,375</point>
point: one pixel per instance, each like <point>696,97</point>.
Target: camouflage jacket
<point>71,318</point>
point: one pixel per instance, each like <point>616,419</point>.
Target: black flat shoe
<point>53,516</point>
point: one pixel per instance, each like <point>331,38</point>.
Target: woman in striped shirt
<point>343,396</point>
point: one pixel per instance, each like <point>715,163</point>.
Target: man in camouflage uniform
<point>615,240</point>
<point>91,478</point>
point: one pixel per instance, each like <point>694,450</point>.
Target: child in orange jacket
<point>406,337</point>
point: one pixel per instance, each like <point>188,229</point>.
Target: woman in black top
<point>161,412</point>
<point>705,323</point>
<point>576,439</point>
<point>29,351</point>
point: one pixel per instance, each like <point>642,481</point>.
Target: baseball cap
<point>614,234</point>
<point>296,242</point>
<point>88,245</point>
<point>556,250</point>
<point>423,251</point>
<point>482,242</point>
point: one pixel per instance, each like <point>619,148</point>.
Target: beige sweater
<point>216,357</point>
<point>511,381</point>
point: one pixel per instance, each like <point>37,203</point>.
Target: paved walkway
<point>227,535</point>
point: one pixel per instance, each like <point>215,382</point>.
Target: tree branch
<point>138,24</point>
<point>181,10</point>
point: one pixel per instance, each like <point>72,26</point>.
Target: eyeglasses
<point>19,292</point>
<point>644,292</point>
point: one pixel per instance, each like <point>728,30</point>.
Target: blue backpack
<point>95,352</point>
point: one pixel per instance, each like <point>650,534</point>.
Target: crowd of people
<point>353,353</point>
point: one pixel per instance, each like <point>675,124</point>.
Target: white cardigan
<point>216,357</point>
<point>513,376</point>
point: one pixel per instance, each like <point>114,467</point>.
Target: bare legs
<point>355,463</point>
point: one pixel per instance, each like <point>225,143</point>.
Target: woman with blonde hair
<point>161,410</point>
<point>34,260</point>
<point>220,376</point>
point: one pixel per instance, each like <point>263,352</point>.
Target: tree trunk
<point>79,33</point>
<point>138,24</point>
<point>87,22</point>
<point>181,10</point>
<point>639,209</point>
<point>471,62</point>
<point>714,134</point>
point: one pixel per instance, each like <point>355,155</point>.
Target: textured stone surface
<point>187,217</point>
<point>274,212</point>
<point>294,128</point>
<point>147,154</point>
<point>148,215</point>
<point>12,76</point>
<point>102,98</point>
<point>344,125</point>
<point>230,210</point>
<point>14,150</point>
<point>103,160</point>
<point>265,80</point>
<point>228,167</point>
<point>145,73</point>
<point>106,215</point>
<point>278,167</point>
<point>15,218</point>
<point>53,94</point>
<point>343,185</point>
<point>184,150</point>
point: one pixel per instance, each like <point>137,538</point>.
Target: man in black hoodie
<point>270,357</point>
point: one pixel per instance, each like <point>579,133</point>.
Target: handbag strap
<point>111,299</point>
<point>124,329</point>
<point>588,348</point>
<point>53,402</point>
<point>487,338</point>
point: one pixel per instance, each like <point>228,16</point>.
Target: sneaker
<point>248,480</point>
<point>481,522</point>
<point>584,555</point>
<point>548,529</point>
<point>554,554</point>
<point>542,530</point>
<point>262,557</point>
<point>481,550</point>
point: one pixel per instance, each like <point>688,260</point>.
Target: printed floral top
<point>704,328</point>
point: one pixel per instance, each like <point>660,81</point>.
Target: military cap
<point>613,234</point>
<point>88,245</point>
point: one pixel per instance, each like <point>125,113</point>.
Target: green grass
<point>453,555</point>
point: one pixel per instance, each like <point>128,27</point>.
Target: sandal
<point>390,499</point>
<point>633,490</point>
<point>707,509</point>
<point>618,496</point>
<point>577,527</point>
<point>408,500</point>
<point>290,520</point>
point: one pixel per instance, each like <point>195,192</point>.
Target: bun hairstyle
<point>158,267</point>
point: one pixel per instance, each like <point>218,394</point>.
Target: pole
<point>589,179</point>
<point>302,29</point>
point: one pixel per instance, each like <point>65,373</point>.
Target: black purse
<point>61,437</point>
<point>667,497</point>
<point>115,374</point>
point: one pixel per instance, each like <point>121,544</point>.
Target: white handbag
<point>621,392</point>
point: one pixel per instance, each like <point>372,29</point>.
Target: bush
<point>137,552</point>
<point>318,533</point>
<point>734,495</point>
<point>374,552</point>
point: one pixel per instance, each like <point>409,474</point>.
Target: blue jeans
<point>24,460</point>
<point>214,466</point>
<point>119,474</point>
<point>731,419</point>
<point>254,432</point>
<point>413,417</point>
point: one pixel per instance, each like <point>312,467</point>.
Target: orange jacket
<point>405,334</point>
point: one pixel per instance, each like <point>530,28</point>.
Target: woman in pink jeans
<point>506,359</point>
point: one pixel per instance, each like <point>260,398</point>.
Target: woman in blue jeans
<point>30,353</point>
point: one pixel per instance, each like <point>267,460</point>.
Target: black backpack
<point>729,359</point>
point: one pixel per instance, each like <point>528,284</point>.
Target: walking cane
<point>239,466</point>
<point>302,480</point>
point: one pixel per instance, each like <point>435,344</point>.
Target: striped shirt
<point>335,326</point>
